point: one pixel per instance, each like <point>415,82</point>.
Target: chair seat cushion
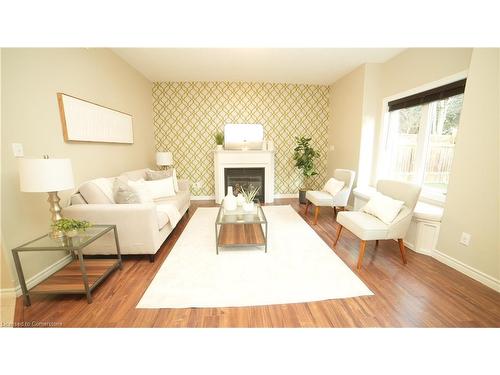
<point>319,198</point>
<point>363,225</point>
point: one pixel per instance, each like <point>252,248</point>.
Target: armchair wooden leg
<point>316,213</point>
<point>307,208</point>
<point>339,230</point>
<point>334,211</point>
<point>376,243</point>
<point>362,246</point>
<point>402,250</point>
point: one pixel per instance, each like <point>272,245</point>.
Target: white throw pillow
<point>333,186</point>
<point>142,191</point>
<point>161,188</point>
<point>383,207</point>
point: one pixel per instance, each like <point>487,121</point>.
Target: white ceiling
<point>277,65</point>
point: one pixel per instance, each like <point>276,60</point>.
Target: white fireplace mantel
<point>244,159</point>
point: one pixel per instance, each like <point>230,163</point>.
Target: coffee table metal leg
<point>22,281</point>
<point>265,238</point>
<point>117,243</point>
<point>216,240</point>
<point>84,276</point>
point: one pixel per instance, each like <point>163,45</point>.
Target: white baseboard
<point>293,195</point>
<point>477,275</point>
<point>212,197</point>
<point>202,197</point>
<point>40,276</point>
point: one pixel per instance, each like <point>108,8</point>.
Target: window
<point>421,137</point>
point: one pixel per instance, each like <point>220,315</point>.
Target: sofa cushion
<point>77,199</point>
<point>158,175</point>
<point>142,191</point>
<point>161,188</point>
<point>363,225</point>
<point>135,175</point>
<point>124,193</point>
<point>180,200</point>
<point>98,191</point>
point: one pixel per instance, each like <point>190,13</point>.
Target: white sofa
<point>142,228</point>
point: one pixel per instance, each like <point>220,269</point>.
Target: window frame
<point>427,194</point>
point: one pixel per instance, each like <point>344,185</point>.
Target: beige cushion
<point>333,186</point>
<point>158,175</point>
<point>383,207</point>
<point>139,187</point>
<point>365,226</point>
<point>161,188</point>
<point>123,193</point>
<point>93,191</point>
<point>135,175</point>
<point>319,198</point>
<point>77,199</point>
<point>179,200</point>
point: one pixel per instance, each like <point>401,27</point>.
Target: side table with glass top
<point>81,275</point>
<point>239,228</point>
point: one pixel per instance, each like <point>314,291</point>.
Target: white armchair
<point>367,227</point>
<point>325,199</point>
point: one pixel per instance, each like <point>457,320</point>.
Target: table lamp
<point>47,176</point>
<point>164,159</point>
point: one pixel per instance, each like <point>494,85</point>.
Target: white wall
<point>30,115</point>
<point>472,203</point>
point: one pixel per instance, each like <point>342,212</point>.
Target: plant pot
<point>248,207</point>
<point>219,148</point>
<point>71,233</point>
<point>302,197</point>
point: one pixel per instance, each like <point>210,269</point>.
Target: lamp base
<point>55,210</point>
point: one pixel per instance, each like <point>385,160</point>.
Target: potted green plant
<point>304,156</point>
<point>71,227</point>
<point>219,139</point>
<point>249,195</point>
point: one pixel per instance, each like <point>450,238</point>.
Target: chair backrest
<point>402,191</point>
<point>345,175</point>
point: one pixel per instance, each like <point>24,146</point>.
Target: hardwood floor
<point>424,293</point>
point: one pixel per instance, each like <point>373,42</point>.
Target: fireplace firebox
<point>244,178</point>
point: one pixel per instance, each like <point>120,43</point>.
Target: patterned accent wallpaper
<point>186,116</point>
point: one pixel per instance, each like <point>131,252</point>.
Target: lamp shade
<point>45,175</point>
<point>164,158</point>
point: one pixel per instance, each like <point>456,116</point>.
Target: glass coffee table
<point>241,228</point>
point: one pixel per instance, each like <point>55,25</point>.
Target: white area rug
<point>298,267</point>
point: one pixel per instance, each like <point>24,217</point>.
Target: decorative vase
<point>240,200</point>
<point>71,233</point>
<point>248,207</point>
<point>229,200</point>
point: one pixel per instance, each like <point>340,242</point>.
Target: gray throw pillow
<point>123,193</point>
<point>158,175</point>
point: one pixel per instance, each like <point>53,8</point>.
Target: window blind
<point>438,93</point>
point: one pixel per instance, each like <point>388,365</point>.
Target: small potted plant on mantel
<point>219,139</point>
<point>304,156</point>
<point>71,227</point>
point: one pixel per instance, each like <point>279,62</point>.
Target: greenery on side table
<point>71,226</point>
